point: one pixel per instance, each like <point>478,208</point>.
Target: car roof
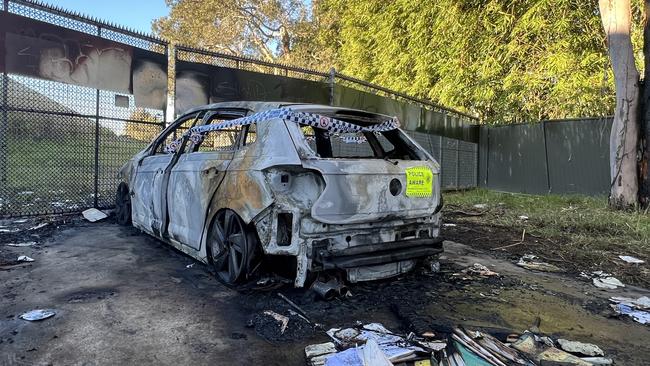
<point>257,106</point>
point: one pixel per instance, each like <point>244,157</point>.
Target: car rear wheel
<point>123,205</point>
<point>231,247</point>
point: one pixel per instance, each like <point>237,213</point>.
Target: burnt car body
<point>279,187</point>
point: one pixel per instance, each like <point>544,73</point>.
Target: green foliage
<point>504,61</point>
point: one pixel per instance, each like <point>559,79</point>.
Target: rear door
<point>196,176</point>
<point>150,180</point>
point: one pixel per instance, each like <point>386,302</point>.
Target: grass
<point>58,174</point>
<point>580,232</point>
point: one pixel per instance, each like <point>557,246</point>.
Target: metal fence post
<point>548,175</point>
<point>457,164</point>
<point>440,150</point>
<point>170,108</point>
<point>4,123</point>
<point>96,181</point>
<point>332,81</point>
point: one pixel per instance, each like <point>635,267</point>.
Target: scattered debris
<point>38,314</point>
<point>641,303</point>
<point>480,205</point>
<point>330,289</point>
<point>24,258</point>
<point>317,353</point>
<point>630,259</point>
<point>190,265</point>
<point>585,349</point>
<point>635,308</point>
<point>530,261</point>
<point>639,316</point>
<point>598,360</point>
<point>541,352</point>
<point>41,225</point>
<point>281,319</point>
<point>523,217</point>
<point>603,280</point>
<point>353,342</point>
<point>477,269</point>
<point>434,267</point>
<point>293,305</point>
<point>449,225</point>
<point>94,215</point>
<point>25,244</point>
<point>275,326</point>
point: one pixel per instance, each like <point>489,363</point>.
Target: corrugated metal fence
<point>562,156</point>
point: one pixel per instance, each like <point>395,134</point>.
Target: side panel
<point>148,189</point>
<point>192,183</point>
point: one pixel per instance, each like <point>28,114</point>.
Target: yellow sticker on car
<point>419,181</point>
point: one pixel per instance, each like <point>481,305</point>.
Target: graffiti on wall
<point>46,51</point>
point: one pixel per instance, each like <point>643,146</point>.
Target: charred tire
<point>231,247</point>
<point>123,205</point>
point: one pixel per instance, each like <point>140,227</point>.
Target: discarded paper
<point>586,349</point>
<point>38,314</point>
<point>24,258</point>
<point>531,262</point>
<point>630,259</point>
<point>94,215</point>
<point>25,244</point>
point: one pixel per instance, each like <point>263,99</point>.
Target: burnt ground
<point>122,297</point>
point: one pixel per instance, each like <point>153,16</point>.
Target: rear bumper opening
<point>376,253</point>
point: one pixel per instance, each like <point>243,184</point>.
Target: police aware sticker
<point>419,182</point>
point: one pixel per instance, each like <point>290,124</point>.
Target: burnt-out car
<point>321,188</point>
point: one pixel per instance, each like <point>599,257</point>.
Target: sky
<point>134,14</point>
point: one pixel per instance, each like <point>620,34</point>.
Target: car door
<point>196,176</point>
<point>149,185</point>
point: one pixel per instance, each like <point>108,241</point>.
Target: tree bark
<point>644,171</point>
<point>615,15</point>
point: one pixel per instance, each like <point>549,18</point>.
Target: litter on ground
<point>604,280</point>
<point>94,215</point>
<point>634,308</point>
<point>24,258</point>
<point>523,217</point>
<point>25,244</point>
<point>477,269</point>
<point>38,314</point>
<point>531,262</point>
<point>630,259</point>
<point>355,346</point>
<point>41,225</point>
<point>585,349</point>
<point>480,205</point>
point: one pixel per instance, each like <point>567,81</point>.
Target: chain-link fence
<point>61,145</point>
<point>62,141</point>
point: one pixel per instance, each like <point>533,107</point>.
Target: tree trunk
<point>644,171</point>
<point>615,15</point>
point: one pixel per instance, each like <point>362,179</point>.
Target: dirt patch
<point>506,242</point>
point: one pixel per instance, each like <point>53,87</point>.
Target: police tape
<point>329,124</point>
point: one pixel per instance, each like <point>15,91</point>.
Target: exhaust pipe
<point>330,289</point>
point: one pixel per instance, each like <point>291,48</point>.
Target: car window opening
<point>358,145</point>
